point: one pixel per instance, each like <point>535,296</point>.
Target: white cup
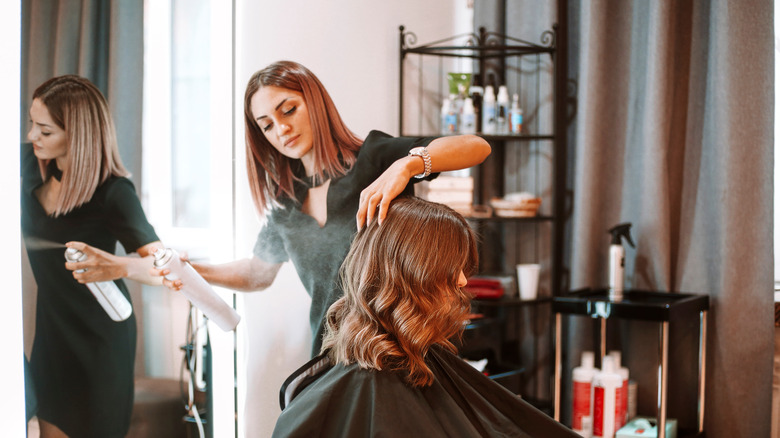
<point>528,280</point>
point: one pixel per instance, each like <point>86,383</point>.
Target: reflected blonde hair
<point>401,293</point>
<point>335,146</point>
<point>79,108</point>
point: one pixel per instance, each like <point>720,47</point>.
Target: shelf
<point>512,301</point>
<point>636,304</point>
<point>524,67</point>
<point>495,137</point>
<point>537,218</point>
<point>484,45</point>
<point>482,322</point>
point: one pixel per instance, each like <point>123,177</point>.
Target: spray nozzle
<point>621,230</point>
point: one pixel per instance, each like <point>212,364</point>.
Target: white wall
<point>12,403</point>
<point>352,46</point>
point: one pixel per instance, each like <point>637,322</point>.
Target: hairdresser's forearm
<point>138,269</point>
<point>455,152</point>
<point>245,275</point>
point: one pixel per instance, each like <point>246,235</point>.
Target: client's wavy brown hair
<point>401,293</point>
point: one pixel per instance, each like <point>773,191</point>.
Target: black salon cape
<point>347,401</point>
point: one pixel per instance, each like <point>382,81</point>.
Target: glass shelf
<point>636,304</point>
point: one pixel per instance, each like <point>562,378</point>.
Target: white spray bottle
<point>617,259</point>
<point>107,293</point>
<point>196,289</point>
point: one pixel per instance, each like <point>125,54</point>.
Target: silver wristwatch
<point>422,152</point>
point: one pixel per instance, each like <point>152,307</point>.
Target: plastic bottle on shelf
<point>582,379</point>
<point>445,112</point>
<point>477,91</point>
<point>515,116</point>
<point>449,116</point>
<point>621,412</point>
<point>502,111</point>
<point>468,122</point>
<point>489,111</point>
<point>460,99</point>
<point>605,384</point>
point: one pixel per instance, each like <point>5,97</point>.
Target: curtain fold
<point>674,133</point>
<point>101,40</point>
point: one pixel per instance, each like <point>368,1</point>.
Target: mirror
<point>354,52</point>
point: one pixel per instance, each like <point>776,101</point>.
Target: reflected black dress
<point>82,361</point>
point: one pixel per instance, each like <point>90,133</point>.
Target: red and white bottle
<point>621,411</point>
<point>605,384</point>
<point>582,378</point>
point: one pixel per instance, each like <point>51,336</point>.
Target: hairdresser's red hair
<point>401,293</point>
<point>335,146</point>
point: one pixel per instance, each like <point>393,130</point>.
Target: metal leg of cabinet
<point>662,369</point>
<point>662,379</point>
<point>557,381</point>
<point>702,365</point>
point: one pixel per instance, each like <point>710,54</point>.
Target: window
<point>188,169</point>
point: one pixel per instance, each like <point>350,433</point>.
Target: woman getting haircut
<point>315,182</point>
<point>388,367</point>
<point>75,192</point>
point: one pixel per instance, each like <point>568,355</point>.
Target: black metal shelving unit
<point>501,57</point>
<point>657,306</point>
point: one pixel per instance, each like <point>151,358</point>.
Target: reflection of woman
<point>311,178</point>
<point>74,188</point>
<point>388,367</point>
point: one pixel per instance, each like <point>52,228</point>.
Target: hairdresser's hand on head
<point>383,190</point>
<point>98,266</point>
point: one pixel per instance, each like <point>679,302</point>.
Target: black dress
<point>325,400</point>
<point>317,252</point>
<point>82,361</point>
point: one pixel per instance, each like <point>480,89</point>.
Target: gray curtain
<point>674,133</point>
<point>101,40</point>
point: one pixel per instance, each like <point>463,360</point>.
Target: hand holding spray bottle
<point>196,289</point>
<point>617,259</point>
<point>106,292</point>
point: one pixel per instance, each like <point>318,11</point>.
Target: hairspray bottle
<point>106,292</point>
<point>196,289</point>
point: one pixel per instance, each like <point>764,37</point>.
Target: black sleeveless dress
<point>82,361</point>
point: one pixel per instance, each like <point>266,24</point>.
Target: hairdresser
<point>75,192</point>
<point>315,182</point>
